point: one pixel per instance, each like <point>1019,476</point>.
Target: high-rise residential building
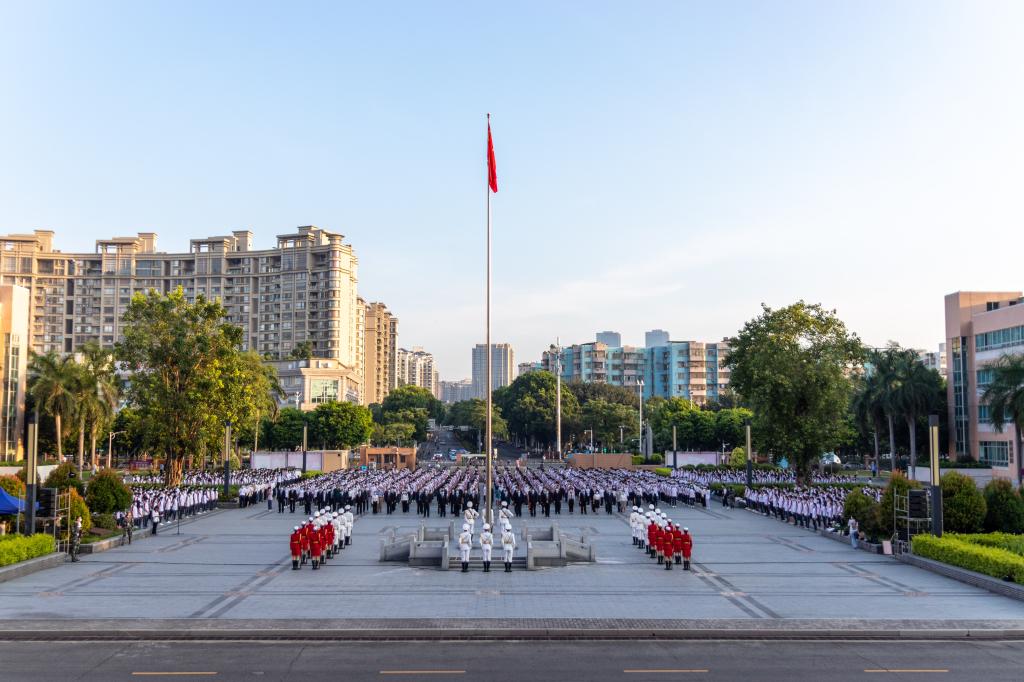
<point>416,367</point>
<point>683,369</point>
<point>935,359</point>
<point>381,344</point>
<point>14,351</point>
<point>610,339</point>
<point>656,337</point>
<point>302,290</point>
<point>456,391</point>
<point>527,367</point>
<point>503,368</point>
<point>981,327</point>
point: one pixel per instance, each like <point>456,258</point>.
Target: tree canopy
<point>791,366</point>
<point>528,406</point>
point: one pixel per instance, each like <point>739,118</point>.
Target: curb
<point>985,582</point>
<point>29,566</point>
<point>416,634</point>
<point>139,535</point>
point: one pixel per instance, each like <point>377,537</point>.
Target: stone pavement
<point>234,566</point>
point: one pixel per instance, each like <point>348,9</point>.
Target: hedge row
<point>992,561</point>
<point>1007,541</point>
<point>740,488</point>
<point>17,548</point>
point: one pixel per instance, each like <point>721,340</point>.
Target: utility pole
<point>227,457</point>
<point>933,440</point>
<point>640,440</point>
<point>31,475</point>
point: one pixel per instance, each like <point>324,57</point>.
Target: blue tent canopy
<point>10,504</point>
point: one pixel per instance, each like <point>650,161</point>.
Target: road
<point>513,661</point>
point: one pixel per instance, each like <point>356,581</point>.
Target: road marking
<point>174,673</point>
<point>667,670</point>
<point>422,672</point>
<point>905,670</point>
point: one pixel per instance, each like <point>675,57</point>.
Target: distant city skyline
<point>674,165</point>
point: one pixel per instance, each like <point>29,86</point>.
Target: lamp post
<point>640,440</point>
<point>591,432</point>
<point>31,474</point>
<point>558,397</point>
<point>227,457</point>
<point>621,429</point>
<point>750,455</point>
<point>110,445</point>
<point>933,441</point>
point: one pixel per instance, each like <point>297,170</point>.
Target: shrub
<point>859,506</point>
<point>638,459</point>
<point>898,485</point>
<point>1007,541</point>
<point>17,548</point>
<point>663,471</point>
<point>103,521</point>
<point>64,476</point>
<point>13,485</point>
<point>107,493</point>
<point>998,563</point>
<point>963,505</point>
<point>656,459</point>
<point>1005,508</point>
<point>312,474</point>
<point>78,508</point>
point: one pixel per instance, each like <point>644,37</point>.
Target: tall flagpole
<point>558,396</point>
<point>490,448</point>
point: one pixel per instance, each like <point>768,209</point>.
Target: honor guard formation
<point>655,533</point>
<point>321,538</point>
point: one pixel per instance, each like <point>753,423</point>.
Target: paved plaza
<point>234,564</point>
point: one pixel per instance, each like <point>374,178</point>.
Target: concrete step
<point>476,563</point>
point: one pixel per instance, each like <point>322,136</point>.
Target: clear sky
<point>661,165</point>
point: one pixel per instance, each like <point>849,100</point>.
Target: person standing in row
<point>465,544</point>
<point>295,545</point>
<point>508,543</point>
<point>487,546</point>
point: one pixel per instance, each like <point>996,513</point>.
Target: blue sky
<point>661,165</point>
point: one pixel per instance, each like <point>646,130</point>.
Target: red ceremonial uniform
<point>666,543</point>
<point>687,545</point>
<point>330,534</point>
<point>304,539</point>
<point>677,541</point>
<point>314,544</point>
<point>652,533</point>
<point>295,544</point>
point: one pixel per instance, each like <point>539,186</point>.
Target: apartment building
<point>303,289</point>
<point>14,351</point>
<point>456,391</point>
<point>671,369</point>
<point>381,346</point>
<point>935,360</point>
<point>981,326</point>
<point>416,367</point>
<point>503,367</point>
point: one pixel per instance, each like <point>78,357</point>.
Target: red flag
<point>492,168</point>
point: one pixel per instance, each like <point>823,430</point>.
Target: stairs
<point>477,564</point>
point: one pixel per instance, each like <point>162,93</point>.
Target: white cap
<point>469,504</point>
<point>348,507</point>
<point>650,506</point>
<point>504,504</point>
<point>686,530</point>
<point>465,526</point>
<point>487,526</point>
<point>296,528</point>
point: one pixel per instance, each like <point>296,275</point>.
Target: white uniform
<point>486,544</point>
<point>470,517</point>
<point>508,543</point>
<point>465,544</point>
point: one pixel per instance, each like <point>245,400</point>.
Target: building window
<point>324,390</point>
<point>1000,338</point>
<point>995,453</point>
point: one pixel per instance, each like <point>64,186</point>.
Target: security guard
<point>486,546</point>
<point>465,544</point>
<point>508,543</point>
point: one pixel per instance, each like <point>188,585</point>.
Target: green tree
<point>1005,396</point>
<point>587,391</point>
<point>963,505</point>
<point>528,405</point>
<point>107,493</point>
<point>898,486</point>
<point>396,433</point>
<point>1005,508</point>
<point>411,405</point>
<point>51,382</point>
<point>285,431</point>
<point>97,390</point>
<point>790,366</point>
<point>64,476</point>
<point>337,425</point>
<point>302,351</point>
<point>184,363</point>
<point>738,457</point>
<point>605,419</point>
<point>472,414</point>
<point>13,485</point>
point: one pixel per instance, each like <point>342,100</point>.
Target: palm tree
<point>885,377</point>
<point>867,407</point>
<point>96,394</point>
<point>1005,397</point>
<point>51,383</point>
<point>915,394</point>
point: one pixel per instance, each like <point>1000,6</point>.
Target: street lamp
<point>110,445</point>
<point>227,457</point>
<point>750,455</point>
<point>591,432</point>
<point>621,429</point>
<point>640,440</point>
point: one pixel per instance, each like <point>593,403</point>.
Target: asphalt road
<point>513,661</point>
